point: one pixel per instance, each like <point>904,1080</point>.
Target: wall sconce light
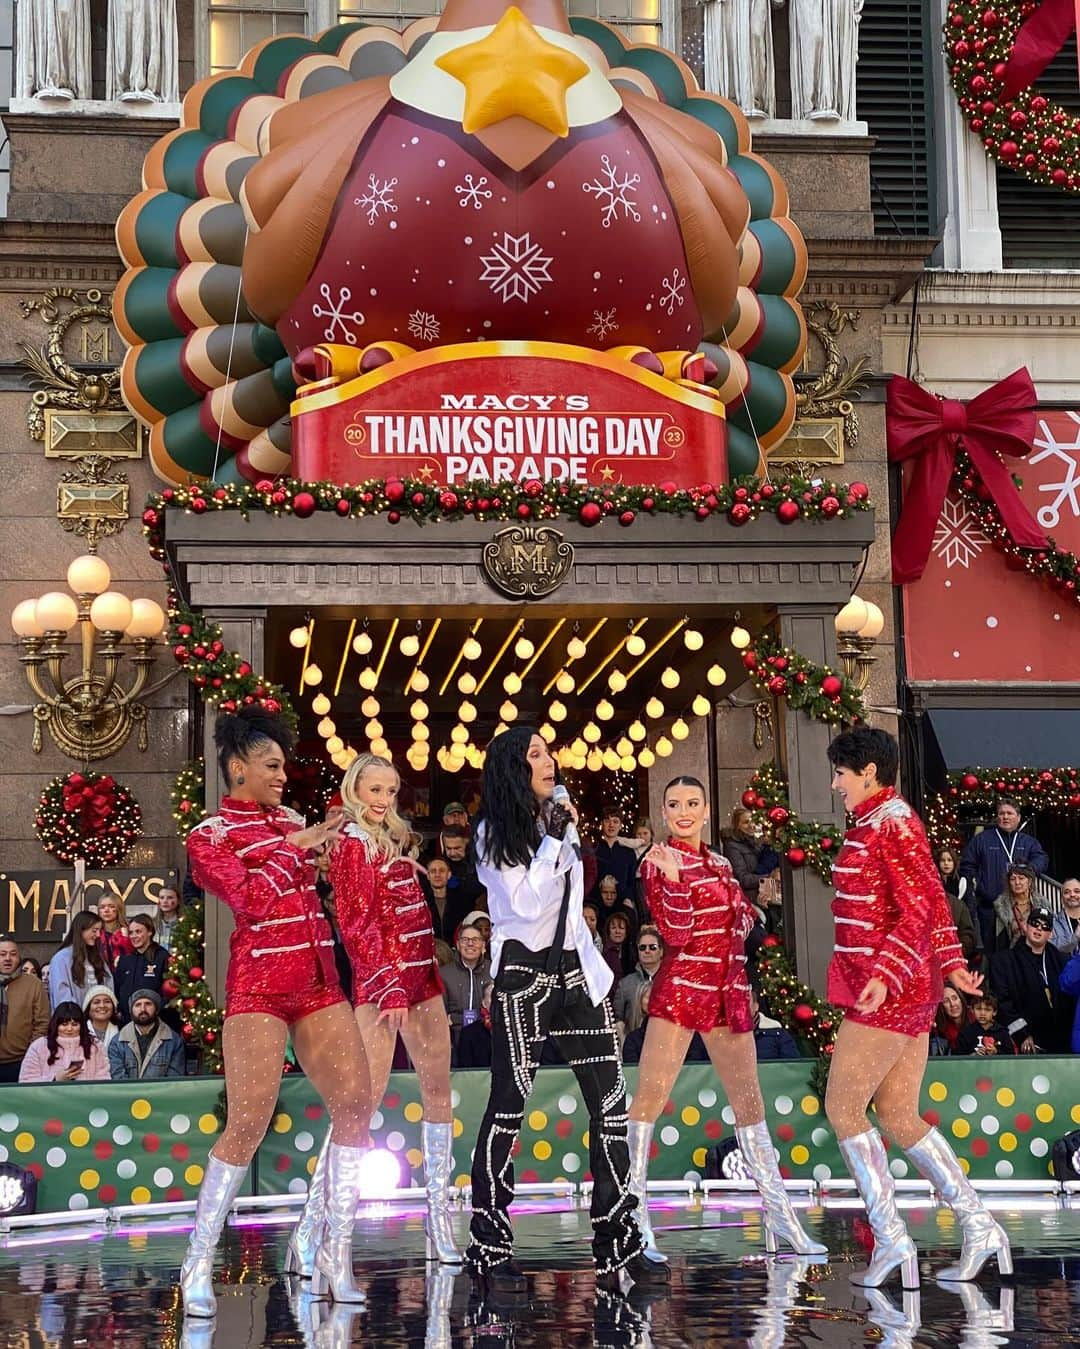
<point>858,626</point>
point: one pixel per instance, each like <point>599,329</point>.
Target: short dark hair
<point>457,831</point>
<point>1006,801</point>
<point>611,812</point>
<point>986,997</point>
<point>863,745</point>
<point>238,734</point>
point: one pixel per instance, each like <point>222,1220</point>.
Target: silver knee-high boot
<point>437,1142</point>
<point>306,1235</point>
<point>220,1186</point>
<point>756,1146</point>
<point>332,1274</point>
<point>639,1140</point>
<point>983,1237</point>
<point>868,1163</point>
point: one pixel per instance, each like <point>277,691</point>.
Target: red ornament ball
<point>969,782</point>
<point>749,659</point>
<point>739,513</point>
<point>395,490</point>
<point>198,505</point>
<point>590,513</point>
<point>626,518</point>
<point>858,491</point>
<point>787,512</point>
<point>777,686</point>
<point>831,685</point>
<point>779,815</point>
<point>533,487</point>
<point>803,1013</point>
<point>342,506</point>
<point>771,940</point>
<point>749,798</point>
<point>196,972</point>
<point>829,506</point>
<point>796,856</point>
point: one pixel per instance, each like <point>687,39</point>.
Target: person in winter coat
<point>1069,983</point>
<point>80,962</point>
<point>102,1015</point>
<point>24,1010</point>
<point>771,1040</point>
<point>146,1047</point>
<point>67,1052</point>
<point>989,855</point>
<point>465,979</point>
<point>650,951</point>
<point>1034,1006</point>
<point>114,941</point>
<point>144,967</point>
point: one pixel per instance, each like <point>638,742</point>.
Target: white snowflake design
<point>473,193</point>
<point>423,325</point>
<point>1067,454</point>
<point>378,199</point>
<point>516,268</point>
<point>337,314</point>
<point>613,192</point>
<point>958,539</point>
<point>671,291</point>
<point>603,323</point>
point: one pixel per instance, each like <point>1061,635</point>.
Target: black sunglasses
<point>648,946</point>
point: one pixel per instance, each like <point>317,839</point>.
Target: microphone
<point>561,797</point>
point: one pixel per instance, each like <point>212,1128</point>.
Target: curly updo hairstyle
<point>236,736</point>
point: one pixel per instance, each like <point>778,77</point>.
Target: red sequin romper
<point>281,952</point>
<point>704,919</point>
<point>385,924</point>
<point>892,917</point>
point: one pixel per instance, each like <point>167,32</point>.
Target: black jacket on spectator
<point>743,854</point>
<point>462,896</point>
<point>774,1042</point>
<point>144,969</point>
<point>615,859</point>
<point>1016,976</point>
<point>974,1034</point>
<point>635,1042</point>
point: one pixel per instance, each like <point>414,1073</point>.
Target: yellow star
<point>426,472</point>
<point>514,72</point>
<point>607,473</point>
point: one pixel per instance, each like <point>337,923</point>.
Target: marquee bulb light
<point>557,711</point>
<point>624,746</point>
<point>611,760</point>
<point>459,735</point>
<point>654,708</point>
<point>512,684</point>
<point>419,710</point>
<point>502,726</point>
<point>320,704</point>
<point>361,644</point>
<point>467,711</point>
<point>326,728</point>
<point>565,682</point>
<point>467,683</point>
<point>312,676</point>
<point>701,706</point>
<point>472,649</point>
<point>592,732</point>
<point>548,733</point>
<point>670,678</point>
<point>740,638</point>
<point>508,711</point>
<point>410,645</point>
<point>419,682</point>
<point>335,745</point>
<point>627,763</point>
<point>616,681</point>
<point>636,731</point>
<point>368,678</point>
<point>380,747</point>
<point>664,747</point>
<point>635,644</point>
<point>577,763</point>
<point>679,729</point>
<point>594,760</point>
<point>646,758</point>
<point>370,707</point>
<point>374,729</point>
<point>579,746</point>
<point>565,756</point>
<point>716,675</point>
<point>575,648</point>
<point>420,733</point>
<point>692,639</point>
<point>604,710</point>
<point>523,648</point>
<point>298,637</point>
<point>340,760</point>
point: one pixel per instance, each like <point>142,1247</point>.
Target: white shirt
<point>524,903</point>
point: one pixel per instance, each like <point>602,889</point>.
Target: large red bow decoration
<point>930,430</point>
<point>1040,37</point>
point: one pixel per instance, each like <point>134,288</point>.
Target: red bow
<point>1038,40</point>
<point>919,425</point>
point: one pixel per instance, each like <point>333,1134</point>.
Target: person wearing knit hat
<point>146,1047</point>
<point>102,1014</point>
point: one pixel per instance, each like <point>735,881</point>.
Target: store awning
<point>1004,737</point>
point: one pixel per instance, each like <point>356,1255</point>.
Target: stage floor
<point>72,1286</point>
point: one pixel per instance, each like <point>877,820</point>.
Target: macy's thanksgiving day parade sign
<point>499,246</point>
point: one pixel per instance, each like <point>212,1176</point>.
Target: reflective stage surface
<point>76,1286</point>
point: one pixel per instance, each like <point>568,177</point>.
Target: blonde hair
<point>391,835</point>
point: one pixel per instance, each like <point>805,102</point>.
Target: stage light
<point>740,638</point>
<point>716,675</point>
<point>419,681</point>
<point>370,707</point>
<point>635,644</point>
<point>374,729</point>
<point>361,644</point>
<point>512,684</point>
<point>664,747</point>
<point>523,648</point>
<point>557,711</point>
<point>670,678</point>
<point>692,639</point>
<point>320,704</point>
<point>679,729</point>
<point>368,678</point>
<point>508,711</point>
<point>472,649</point>
<point>298,637</point>
<point>628,763</point>
<point>636,731</point>
<point>654,708</point>
<point>646,758</point>
<point>419,710</point>
<point>701,707</point>
<point>467,712</point>
<point>611,760</point>
<point>467,683</point>
<point>326,728</point>
<point>565,682</point>
<point>548,733</point>
<point>380,1173</point>
<point>604,710</point>
<point>594,760</point>
<point>575,648</point>
<point>616,681</point>
<point>592,732</point>
<point>420,733</point>
<point>459,735</point>
<point>335,744</point>
<point>623,747</point>
<point>312,676</point>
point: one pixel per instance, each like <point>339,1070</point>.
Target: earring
<point>239,779</point>
<point>865,782</point>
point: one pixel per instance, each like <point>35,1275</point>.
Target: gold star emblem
<point>426,472</point>
<point>514,72</point>
<point>607,473</point>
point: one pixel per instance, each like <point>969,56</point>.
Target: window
<point>894,98</point>
<point>236,25</point>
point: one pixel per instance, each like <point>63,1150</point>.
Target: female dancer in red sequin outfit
<point>385,925</point>
<point>256,856</point>
<point>895,940</point>
<point>702,986</point>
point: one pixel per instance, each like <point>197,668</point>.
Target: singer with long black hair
<point>549,980</point>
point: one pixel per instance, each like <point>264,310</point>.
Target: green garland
<point>812,845</point>
<point>188,797</point>
<point>87,817</point>
<point>971,794</point>
<point>818,690</point>
<point>813,1020</point>
<point>399,499</point>
<point>188,991</point>
<point>223,678</point>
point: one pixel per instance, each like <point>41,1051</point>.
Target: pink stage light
<point>382,1173</point>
